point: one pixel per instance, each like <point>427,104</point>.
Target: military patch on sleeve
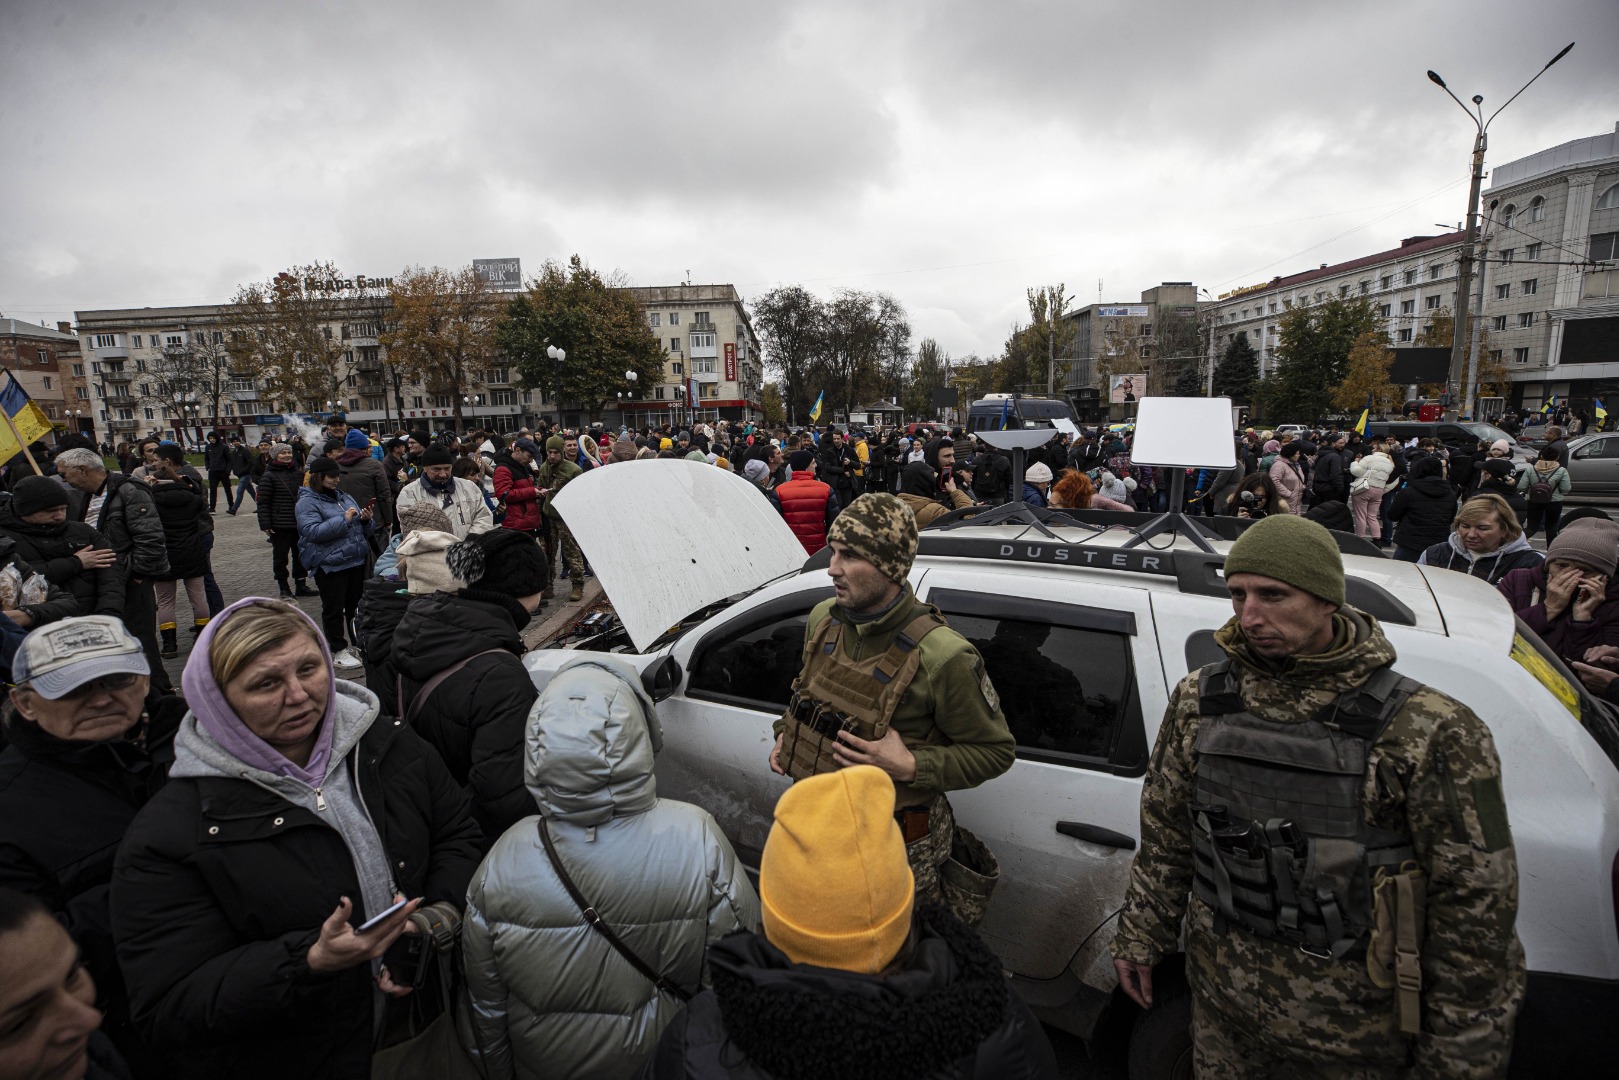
<point>991,698</point>
<point>1492,813</point>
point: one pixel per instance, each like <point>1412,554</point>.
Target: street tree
<point>1366,377</point>
<point>287,333</point>
<point>1312,357</point>
<point>771,405</point>
<point>791,321</point>
<point>932,372</point>
<point>1237,371</point>
<point>441,332</point>
<point>862,328</point>
<point>595,321</point>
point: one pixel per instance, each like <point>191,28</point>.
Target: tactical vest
<point>1280,842</point>
<point>834,693</point>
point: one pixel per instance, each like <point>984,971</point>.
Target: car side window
<point>1599,448</point>
<point>1069,693</point>
<point>753,664</point>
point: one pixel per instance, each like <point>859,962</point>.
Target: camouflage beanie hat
<point>879,528</point>
<point>1290,549</point>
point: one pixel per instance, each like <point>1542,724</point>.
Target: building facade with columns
<point>1551,272</point>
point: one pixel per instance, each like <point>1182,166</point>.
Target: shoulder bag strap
<point>432,684</point>
<point>595,920</point>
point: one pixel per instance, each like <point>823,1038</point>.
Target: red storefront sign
<point>730,361</point>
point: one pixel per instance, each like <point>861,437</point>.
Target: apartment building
<point>714,368</point>
<point>1408,284</point>
<point>1550,230</point>
<point>48,366</point>
<point>1130,336</point>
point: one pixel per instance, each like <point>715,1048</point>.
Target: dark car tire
<point>1161,1041</point>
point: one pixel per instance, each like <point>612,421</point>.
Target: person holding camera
<point>256,899</point>
<point>1254,498</point>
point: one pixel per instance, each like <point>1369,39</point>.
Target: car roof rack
<point>1195,572</point>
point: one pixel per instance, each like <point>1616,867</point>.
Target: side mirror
<point>662,679</point>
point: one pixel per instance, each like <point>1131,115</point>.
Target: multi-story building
<point>1550,228</point>
<point>48,366</point>
<point>1128,338</point>
<point>714,368</point>
<point>137,384</point>
<point>1408,284</point>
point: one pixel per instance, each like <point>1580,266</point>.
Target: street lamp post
<point>1460,334</point>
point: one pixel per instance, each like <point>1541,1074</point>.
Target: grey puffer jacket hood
<point>591,758</point>
<point>547,995</point>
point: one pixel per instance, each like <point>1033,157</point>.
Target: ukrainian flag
<point>1365,414</point>
<point>27,421</point>
<point>815,413</point>
<point>1548,405</point>
<point>1597,410</point>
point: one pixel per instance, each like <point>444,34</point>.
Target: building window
<point>136,341</point>
<point>657,393</point>
<point>499,375</point>
<point>148,413</point>
<point>47,382</point>
<point>1410,277</point>
<point>1526,319</point>
<point>1386,281</point>
<point>1403,334</point>
<point>1537,208</point>
<point>1343,290</point>
<point>1604,245</point>
<point>1532,252</point>
<point>326,332</point>
<point>674,345</point>
<point>1499,322</point>
<point>174,341</point>
<point>1384,311</point>
<point>504,397</point>
<point>701,318</point>
<point>705,364</point>
<point>677,368</point>
<point>1430,303</point>
<point>1520,356</point>
<point>674,318</point>
<point>1609,199</point>
<point>1508,215</point>
<point>1365,287</point>
<point>1408,307</point>
<point>1508,254</point>
<point>354,404</point>
<point>1529,287</point>
<point>1273,307</point>
<point>106,341</point>
<point>78,369</point>
<point>230,408</point>
<point>219,337</point>
<point>654,319</point>
<point>1434,271</point>
<point>416,401</point>
<point>1503,292</point>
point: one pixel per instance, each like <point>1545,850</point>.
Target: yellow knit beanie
<point>834,885</point>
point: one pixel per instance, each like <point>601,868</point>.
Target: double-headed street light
<point>1460,335</point>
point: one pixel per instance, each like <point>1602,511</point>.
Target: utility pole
<point>1470,395</point>
<point>1462,333</point>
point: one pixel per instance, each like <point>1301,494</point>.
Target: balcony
<point>112,352</point>
<point>371,389</point>
<point>117,375</point>
<point>122,425</point>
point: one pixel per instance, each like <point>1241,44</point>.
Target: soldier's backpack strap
<point>1366,710</point>
<point>1219,689</point>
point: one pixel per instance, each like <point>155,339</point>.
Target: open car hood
<point>668,538</point>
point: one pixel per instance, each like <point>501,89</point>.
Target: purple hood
<point>219,720</point>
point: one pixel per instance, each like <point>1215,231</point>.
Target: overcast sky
<point>952,152</point>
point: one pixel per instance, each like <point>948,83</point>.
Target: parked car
<point>1086,639</point>
<point>999,411</point>
<point>1593,468</point>
<point>1460,436</point>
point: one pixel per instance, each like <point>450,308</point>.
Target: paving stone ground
<point>241,561</point>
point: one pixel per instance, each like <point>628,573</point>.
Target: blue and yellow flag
<point>1548,405</point>
<point>28,420</point>
<point>1365,414</point>
<point>1597,410</point>
<point>815,413</point>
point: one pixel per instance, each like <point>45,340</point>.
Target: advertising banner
<point>730,361</point>
<point>1124,389</point>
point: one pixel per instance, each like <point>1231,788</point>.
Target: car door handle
<point>1095,834</point>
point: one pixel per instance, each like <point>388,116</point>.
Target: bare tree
<point>791,320</point>
<point>442,331</point>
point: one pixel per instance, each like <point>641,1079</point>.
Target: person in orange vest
<point>807,504</point>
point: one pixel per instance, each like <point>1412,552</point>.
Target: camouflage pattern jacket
<point>950,705</point>
<point>1433,774</point>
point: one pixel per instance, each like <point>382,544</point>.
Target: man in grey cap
<point>87,747</point>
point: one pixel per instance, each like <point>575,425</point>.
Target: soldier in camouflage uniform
<point>553,474</point>
<point>947,731</point>
<point>1264,1006</point>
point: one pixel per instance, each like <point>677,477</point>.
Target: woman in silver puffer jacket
<point>549,995</point>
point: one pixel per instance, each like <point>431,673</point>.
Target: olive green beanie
<point>1289,548</point>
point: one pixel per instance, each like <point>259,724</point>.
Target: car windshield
<point>1489,432</point>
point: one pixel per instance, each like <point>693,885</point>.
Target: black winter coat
<point>477,718</point>
<point>216,456</point>
<point>129,521</point>
<point>59,603</point>
<point>64,809</point>
<point>221,887</point>
<point>949,1013</point>
<point>1329,481</point>
<point>50,548</point>
<point>183,511</point>
<point>383,603</point>
<point>1423,511</point>
<point>278,496</point>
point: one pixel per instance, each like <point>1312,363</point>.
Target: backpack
<point>1540,492</point>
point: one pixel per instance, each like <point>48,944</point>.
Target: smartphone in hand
<point>379,917</point>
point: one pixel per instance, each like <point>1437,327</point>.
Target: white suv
<point>1084,639</point>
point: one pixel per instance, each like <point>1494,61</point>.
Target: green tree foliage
<point>1312,357</point>
<point>1237,371</point>
<point>791,321</point>
<point>1030,351</point>
<point>1188,380</point>
<point>597,323</point>
<point>770,403</point>
<point>1366,377</point>
<point>932,372</point>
